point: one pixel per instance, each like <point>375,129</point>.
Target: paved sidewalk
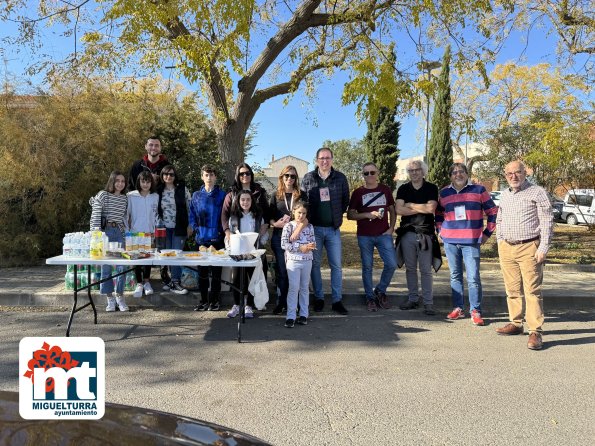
<point>566,287</point>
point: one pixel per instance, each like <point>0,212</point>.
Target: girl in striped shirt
<point>110,205</point>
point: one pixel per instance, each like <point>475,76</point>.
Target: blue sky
<point>299,129</point>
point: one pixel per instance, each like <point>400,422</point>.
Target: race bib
<point>460,213</point>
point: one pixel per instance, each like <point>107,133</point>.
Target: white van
<point>579,206</point>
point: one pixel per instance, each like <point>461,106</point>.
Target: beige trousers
<point>522,276</point>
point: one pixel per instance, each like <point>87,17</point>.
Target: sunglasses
<point>168,174</point>
<point>288,175</point>
<point>244,174</point>
<point>369,172</point>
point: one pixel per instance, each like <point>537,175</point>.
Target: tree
<point>572,20</point>
<point>381,143</point>
<point>440,145</point>
<point>349,157</point>
<point>536,113</point>
<point>560,152</point>
<point>245,52</point>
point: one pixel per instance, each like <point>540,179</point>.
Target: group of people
<point>306,219</point>
<point>455,214</point>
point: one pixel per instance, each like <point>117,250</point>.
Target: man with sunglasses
<point>373,207</point>
<point>328,197</point>
<point>153,161</point>
<point>459,222</point>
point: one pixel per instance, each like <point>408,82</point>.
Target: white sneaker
<point>121,303</point>
<point>138,291</point>
<point>248,312</point>
<point>148,288</point>
<point>111,302</point>
<point>235,310</point>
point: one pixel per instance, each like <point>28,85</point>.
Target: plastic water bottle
<point>75,243</point>
<point>96,249</point>
<point>128,241</point>
<point>69,281</point>
<point>105,244</point>
<point>65,246</point>
<point>86,244</point>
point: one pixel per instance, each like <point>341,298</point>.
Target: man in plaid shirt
<point>524,233</point>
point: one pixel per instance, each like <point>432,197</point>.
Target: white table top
<point>159,261</point>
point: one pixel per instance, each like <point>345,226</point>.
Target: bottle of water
<point>128,241</point>
<point>105,244</point>
<point>75,244</point>
<point>96,249</point>
<point>66,246</point>
<point>85,245</point>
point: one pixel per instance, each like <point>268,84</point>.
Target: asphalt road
<point>392,377</point>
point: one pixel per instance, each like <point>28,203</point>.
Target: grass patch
<point>571,244</point>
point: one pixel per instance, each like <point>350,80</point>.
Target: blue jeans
<point>173,241</point>
<point>330,239</point>
<point>386,250</point>
<point>107,287</point>
<point>280,268</point>
<point>456,255</point>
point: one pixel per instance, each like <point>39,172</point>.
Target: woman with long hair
<point>288,192</point>
<point>108,214</point>
<point>172,210</point>
<point>244,180</point>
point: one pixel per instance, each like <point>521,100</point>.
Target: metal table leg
<point>242,319</point>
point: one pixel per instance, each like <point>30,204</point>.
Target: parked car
<point>495,195</point>
<point>557,206</point>
<point>579,206</point>
<point>122,425</point>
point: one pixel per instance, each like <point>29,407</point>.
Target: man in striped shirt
<point>524,234</point>
<point>459,222</point>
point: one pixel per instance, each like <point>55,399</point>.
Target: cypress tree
<point>381,144</point>
<point>440,145</point>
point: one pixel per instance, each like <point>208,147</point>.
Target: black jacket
<point>339,193</point>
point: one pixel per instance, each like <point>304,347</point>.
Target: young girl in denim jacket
<point>298,241</point>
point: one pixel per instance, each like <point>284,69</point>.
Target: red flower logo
<point>49,357</point>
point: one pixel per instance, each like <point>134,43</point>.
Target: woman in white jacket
<point>141,216</point>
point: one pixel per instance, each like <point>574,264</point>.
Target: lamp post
<point>428,66</point>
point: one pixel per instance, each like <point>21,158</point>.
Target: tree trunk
<point>231,140</point>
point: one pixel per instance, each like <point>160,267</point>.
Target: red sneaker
<point>457,313</point>
<point>476,318</point>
